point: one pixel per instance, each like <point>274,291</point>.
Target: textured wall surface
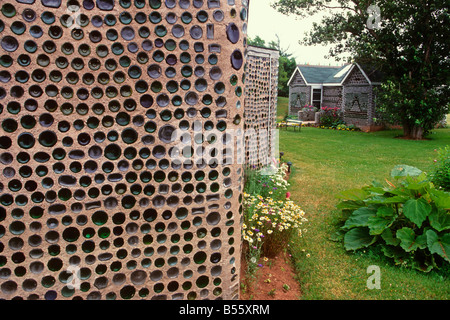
<point>299,94</point>
<point>261,93</point>
<point>357,100</point>
<point>106,108</point>
<point>332,96</point>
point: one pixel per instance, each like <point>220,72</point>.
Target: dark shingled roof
<point>322,74</point>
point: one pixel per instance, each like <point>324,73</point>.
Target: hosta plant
<point>409,218</point>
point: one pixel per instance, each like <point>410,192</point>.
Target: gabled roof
<point>339,75</point>
<point>375,75</point>
<point>321,74</point>
<point>334,75</point>
<point>318,74</point>
<point>372,75</point>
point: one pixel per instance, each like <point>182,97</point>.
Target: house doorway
<point>317,98</point>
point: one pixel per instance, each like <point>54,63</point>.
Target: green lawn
<point>327,162</point>
<point>282,108</point>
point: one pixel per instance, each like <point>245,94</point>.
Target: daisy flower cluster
<point>270,217</point>
<point>269,223</point>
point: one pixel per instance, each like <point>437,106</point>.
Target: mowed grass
<point>282,108</point>
<point>326,162</point>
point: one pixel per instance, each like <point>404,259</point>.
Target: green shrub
<point>441,174</point>
<point>330,117</point>
<point>267,182</point>
<point>290,117</point>
<point>409,219</point>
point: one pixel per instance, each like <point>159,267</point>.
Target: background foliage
<point>406,40</point>
<point>287,63</point>
<point>441,173</point>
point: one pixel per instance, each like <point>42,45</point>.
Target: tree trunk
<point>412,132</point>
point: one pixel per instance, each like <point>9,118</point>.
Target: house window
<point>317,98</point>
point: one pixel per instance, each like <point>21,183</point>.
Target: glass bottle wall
<point>120,179</point>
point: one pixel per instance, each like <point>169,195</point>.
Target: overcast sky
<point>267,23</point>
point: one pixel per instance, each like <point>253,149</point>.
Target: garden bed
<point>267,272</point>
<point>274,280</point>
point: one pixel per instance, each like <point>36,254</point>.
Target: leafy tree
<point>287,68</point>
<point>406,39</point>
<point>257,42</point>
<point>287,63</point>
